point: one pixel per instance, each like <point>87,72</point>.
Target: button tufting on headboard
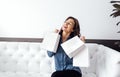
<point>27,59</point>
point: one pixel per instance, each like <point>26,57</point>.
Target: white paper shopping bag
<point>72,46</point>
<point>82,58</point>
<point>50,42</point>
<point>78,50</point>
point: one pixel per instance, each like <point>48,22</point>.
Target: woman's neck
<point>65,35</point>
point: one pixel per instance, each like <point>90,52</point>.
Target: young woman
<point>63,64</point>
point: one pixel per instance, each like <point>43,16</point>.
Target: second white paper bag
<point>72,46</point>
<point>82,58</point>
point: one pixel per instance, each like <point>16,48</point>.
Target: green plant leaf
<point>118,23</point>
<point>115,14</point>
<point>114,1</point>
<point>117,6</point>
<point>116,10</point>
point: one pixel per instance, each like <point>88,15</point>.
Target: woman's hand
<point>56,31</point>
<point>82,38</point>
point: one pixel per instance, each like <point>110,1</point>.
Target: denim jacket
<point>62,61</point>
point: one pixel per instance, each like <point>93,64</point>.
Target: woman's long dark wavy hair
<point>76,29</point>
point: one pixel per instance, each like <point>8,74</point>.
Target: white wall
<point>32,18</point>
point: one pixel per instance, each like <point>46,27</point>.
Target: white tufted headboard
<point>22,57</point>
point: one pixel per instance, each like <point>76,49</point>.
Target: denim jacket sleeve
<point>50,54</point>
